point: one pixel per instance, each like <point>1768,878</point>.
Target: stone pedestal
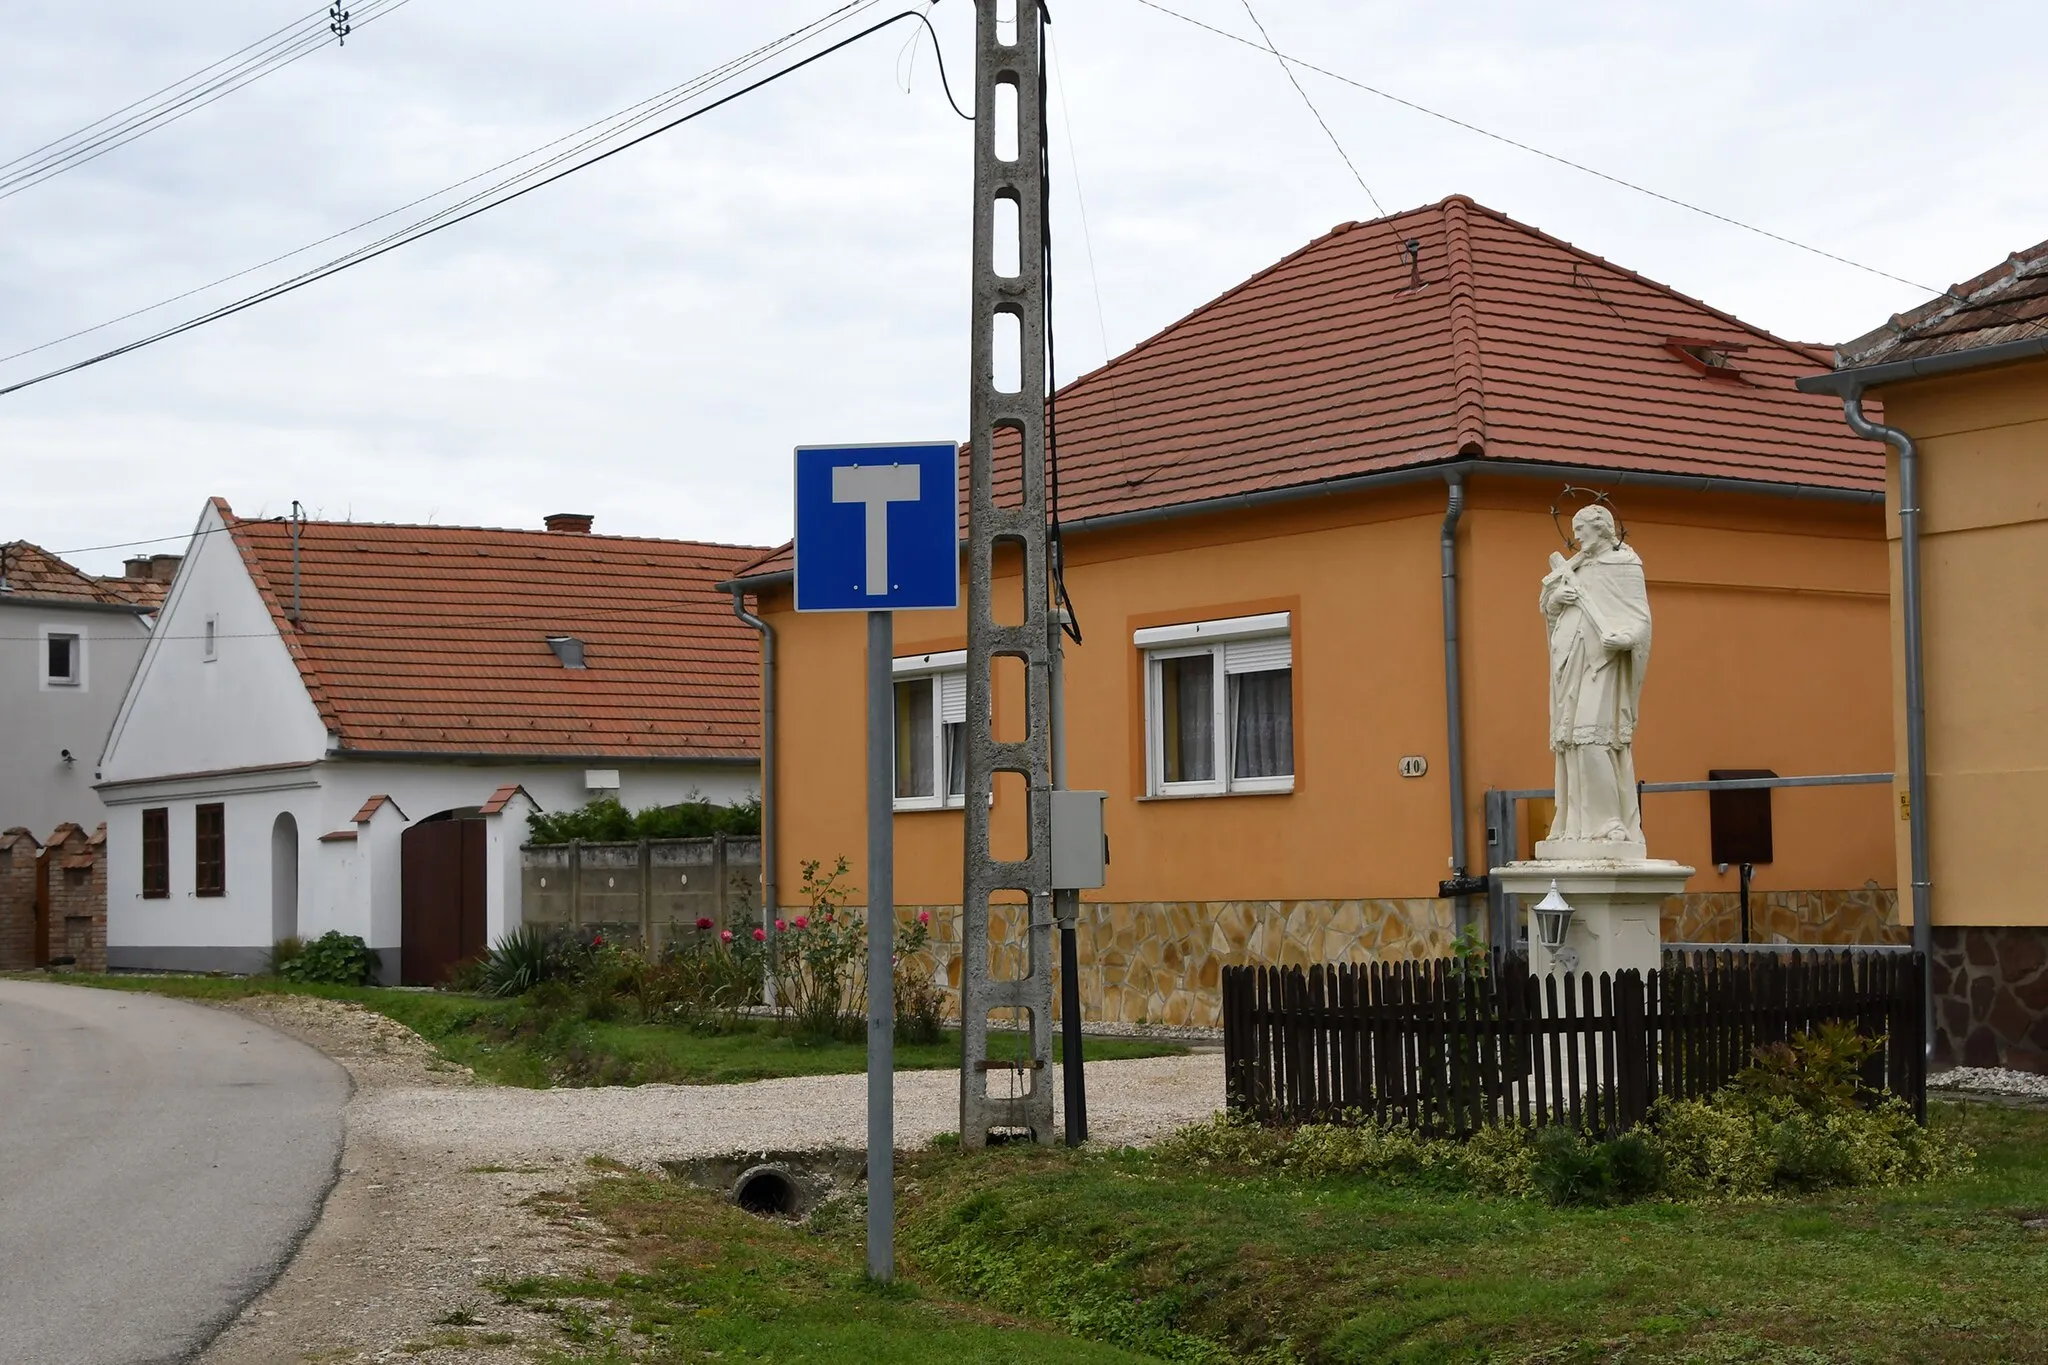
<point>1618,905</point>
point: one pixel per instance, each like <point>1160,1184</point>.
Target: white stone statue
<point>1597,608</point>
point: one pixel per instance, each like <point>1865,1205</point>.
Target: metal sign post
<point>1007,167</point>
<point>877,531</point>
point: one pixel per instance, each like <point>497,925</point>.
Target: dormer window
<point>1715,359</point>
<point>568,649</point>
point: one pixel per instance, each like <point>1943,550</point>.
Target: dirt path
<point>395,1268</point>
<point>446,1182</point>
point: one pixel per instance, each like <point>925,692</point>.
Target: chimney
<point>569,523</point>
<point>150,568</point>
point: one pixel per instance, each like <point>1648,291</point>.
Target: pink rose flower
<point>704,921</point>
<point>780,927</point>
<point>760,936</point>
<point>802,921</point>
<point>924,917</point>
<point>725,936</point>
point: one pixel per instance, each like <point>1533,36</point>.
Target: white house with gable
<point>343,726</point>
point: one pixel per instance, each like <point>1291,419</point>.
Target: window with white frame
<point>1219,706</point>
<point>931,730</point>
<point>63,659</point>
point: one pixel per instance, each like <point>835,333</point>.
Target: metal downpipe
<point>768,840</point>
<point>1916,691</point>
<point>1454,713</point>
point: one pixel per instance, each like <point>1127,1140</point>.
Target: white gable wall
<point>350,886</point>
<point>40,719</point>
<point>245,707</point>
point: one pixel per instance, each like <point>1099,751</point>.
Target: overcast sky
<point>647,340</point>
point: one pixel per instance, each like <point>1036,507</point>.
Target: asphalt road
<point>159,1162</point>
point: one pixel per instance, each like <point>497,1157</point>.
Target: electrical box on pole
<point>1008,425</point>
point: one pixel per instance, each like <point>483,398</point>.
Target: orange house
<point>1303,531</point>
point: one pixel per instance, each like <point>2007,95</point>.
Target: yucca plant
<point>521,960</point>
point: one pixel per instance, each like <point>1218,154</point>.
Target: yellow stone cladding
<point>1161,962</point>
<point>1869,915</point>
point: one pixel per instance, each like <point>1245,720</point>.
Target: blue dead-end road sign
<point>878,527</point>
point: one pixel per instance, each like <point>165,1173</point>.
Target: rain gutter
<point>768,842</point>
<point>1850,384</point>
<point>1426,473</point>
<point>1454,711</point>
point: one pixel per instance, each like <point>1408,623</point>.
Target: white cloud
<point>647,340</point>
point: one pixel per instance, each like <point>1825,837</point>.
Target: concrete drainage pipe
<point>769,1191</point>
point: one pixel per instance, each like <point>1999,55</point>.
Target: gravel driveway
<point>1129,1103</point>
<point>445,1181</point>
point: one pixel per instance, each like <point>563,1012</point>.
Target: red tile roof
<point>1516,347</point>
<point>147,593</point>
<point>502,798</point>
<point>369,808</point>
<point>433,639</point>
<point>2008,302</point>
<point>33,572</point>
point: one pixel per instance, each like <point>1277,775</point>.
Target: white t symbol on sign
<point>876,485</point>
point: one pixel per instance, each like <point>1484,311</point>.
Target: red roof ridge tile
<point>502,798</point>
<point>1465,361</point>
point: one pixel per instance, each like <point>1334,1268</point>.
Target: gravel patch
<point>449,1184</point>
<point>1992,1080</point>
<point>1130,1103</point>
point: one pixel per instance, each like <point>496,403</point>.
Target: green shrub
<point>523,959</point>
<point>605,821</point>
<point>283,951</point>
<point>1567,1170</point>
<point>333,959</point>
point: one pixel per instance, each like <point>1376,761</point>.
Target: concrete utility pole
<point>1002,1097</point>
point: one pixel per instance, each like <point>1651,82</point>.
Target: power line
<point>614,123</point>
<point>298,23</point>
<point>428,227</point>
<point>93,141</point>
<point>1321,122</point>
<point>1538,151</point>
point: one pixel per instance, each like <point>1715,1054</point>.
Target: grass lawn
<point>486,1035</point>
<point>1125,1251</point>
<point>718,1284</point>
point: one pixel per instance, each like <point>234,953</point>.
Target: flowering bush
<point>920,1006</point>
<point>819,982</point>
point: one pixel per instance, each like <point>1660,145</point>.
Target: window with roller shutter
<point>931,729</point>
<point>1219,706</point>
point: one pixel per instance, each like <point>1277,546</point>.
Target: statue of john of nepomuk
<point>1597,608</point>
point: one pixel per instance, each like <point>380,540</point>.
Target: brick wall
<point>78,896</point>
<point>18,850</point>
<point>77,912</point>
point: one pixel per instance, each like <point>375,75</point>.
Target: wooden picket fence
<point>1444,1046</point>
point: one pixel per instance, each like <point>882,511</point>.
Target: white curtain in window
<point>1189,688</point>
<point>956,759</point>
<point>914,767</point>
<point>1262,738</point>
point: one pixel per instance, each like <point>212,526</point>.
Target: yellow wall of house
<point>1770,652</point>
<point>1983,442</point>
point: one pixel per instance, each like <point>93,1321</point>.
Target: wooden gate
<point>441,898</point>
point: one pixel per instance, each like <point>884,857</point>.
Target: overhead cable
<point>611,124</point>
<point>479,203</point>
<point>1538,151</point>
<point>195,92</point>
<point>1321,122</point>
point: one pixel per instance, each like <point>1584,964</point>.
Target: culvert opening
<point>768,1191</point>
